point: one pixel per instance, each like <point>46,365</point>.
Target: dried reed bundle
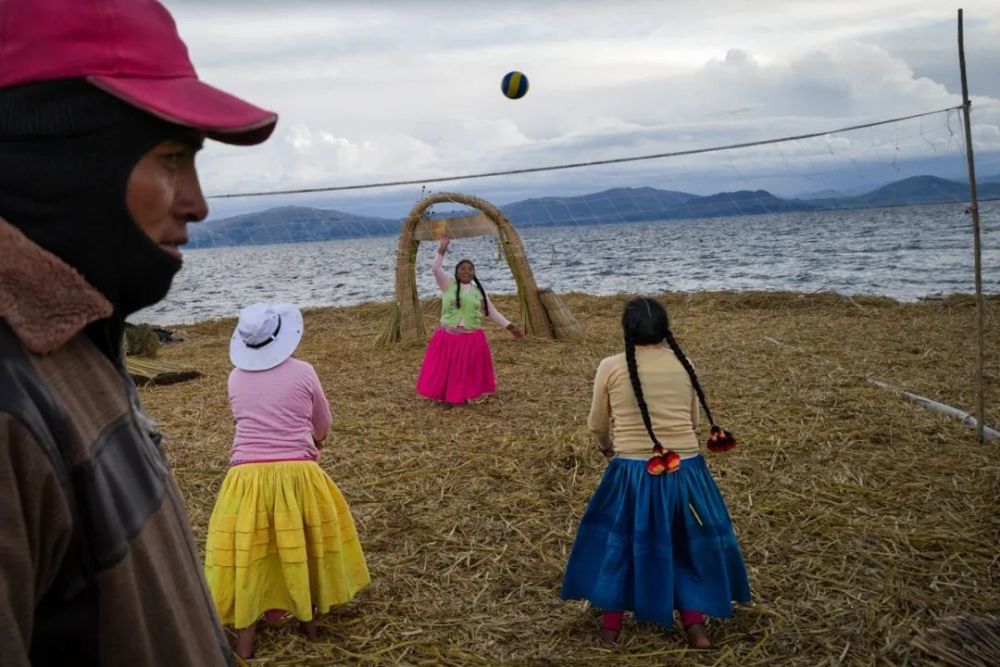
<point>564,325</point>
<point>141,340</point>
<point>406,324</point>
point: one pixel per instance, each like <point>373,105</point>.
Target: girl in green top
<point>458,366</point>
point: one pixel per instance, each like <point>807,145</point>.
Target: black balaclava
<point>66,152</point>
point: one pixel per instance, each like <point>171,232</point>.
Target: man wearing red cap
<point>101,114</point>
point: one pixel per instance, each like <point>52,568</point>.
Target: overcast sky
<point>400,90</point>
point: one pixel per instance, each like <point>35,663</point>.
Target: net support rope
<point>578,165</point>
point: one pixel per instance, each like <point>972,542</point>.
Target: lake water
<point>906,253</point>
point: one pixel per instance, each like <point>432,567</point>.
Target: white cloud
<point>401,90</point>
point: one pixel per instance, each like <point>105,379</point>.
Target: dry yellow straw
<point>863,519</point>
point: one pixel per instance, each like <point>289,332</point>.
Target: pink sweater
<point>281,413</point>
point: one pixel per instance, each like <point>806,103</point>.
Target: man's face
<point>163,194</point>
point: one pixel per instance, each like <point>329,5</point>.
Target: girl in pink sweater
<point>281,536</point>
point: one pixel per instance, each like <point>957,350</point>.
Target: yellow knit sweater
<point>673,405</point>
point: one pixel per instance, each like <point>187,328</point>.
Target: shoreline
<point>905,256</point>
<point>938,297</point>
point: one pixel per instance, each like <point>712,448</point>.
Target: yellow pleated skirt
<point>281,536</point>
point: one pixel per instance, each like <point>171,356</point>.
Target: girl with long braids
<point>656,535</point>
<point>458,366</point>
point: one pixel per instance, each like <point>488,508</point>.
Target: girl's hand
<point>443,245</point>
<point>515,330</point>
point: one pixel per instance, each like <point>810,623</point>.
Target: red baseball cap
<point>129,49</point>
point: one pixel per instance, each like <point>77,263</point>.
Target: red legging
<point>613,619</point>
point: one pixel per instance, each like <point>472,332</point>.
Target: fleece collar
<point>43,299</point>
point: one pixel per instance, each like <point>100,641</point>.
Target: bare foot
<point>309,629</point>
<point>697,636</point>
<point>609,637</point>
<point>244,642</point>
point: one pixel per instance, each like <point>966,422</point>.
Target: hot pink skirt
<point>457,367</point>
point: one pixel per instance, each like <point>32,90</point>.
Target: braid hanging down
<point>486,305</point>
<point>660,462</point>
<point>458,288</point>
<point>719,440</point>
<point>645,322</point>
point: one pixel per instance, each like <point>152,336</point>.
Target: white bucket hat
<point>265,336</point>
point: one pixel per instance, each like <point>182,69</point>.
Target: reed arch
<point>542,312</point>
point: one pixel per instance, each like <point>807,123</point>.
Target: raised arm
<point>443,279</point>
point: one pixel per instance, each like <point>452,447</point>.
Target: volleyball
<point>514,85</point>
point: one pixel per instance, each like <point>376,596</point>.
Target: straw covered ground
<point>865,520</point>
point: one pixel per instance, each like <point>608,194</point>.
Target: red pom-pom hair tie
<point>661,462</point>
<point>720,440</point>
<point>656,466</point>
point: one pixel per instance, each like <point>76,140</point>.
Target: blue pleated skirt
<point>651,545</point>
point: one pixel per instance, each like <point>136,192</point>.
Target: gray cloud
<point>401,90</point>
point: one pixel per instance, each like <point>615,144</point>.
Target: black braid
<point>633,374</point>
<point>486,307</point>
<point>691,374</point>
<point>458,288</point>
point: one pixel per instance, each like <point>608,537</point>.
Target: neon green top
<point>469,313</point>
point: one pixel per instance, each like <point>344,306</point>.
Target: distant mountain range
<point>914,190</point>
<point>288,224</point>
<point>295,224</point>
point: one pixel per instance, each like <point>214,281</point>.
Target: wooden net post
<point>976,248</point>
